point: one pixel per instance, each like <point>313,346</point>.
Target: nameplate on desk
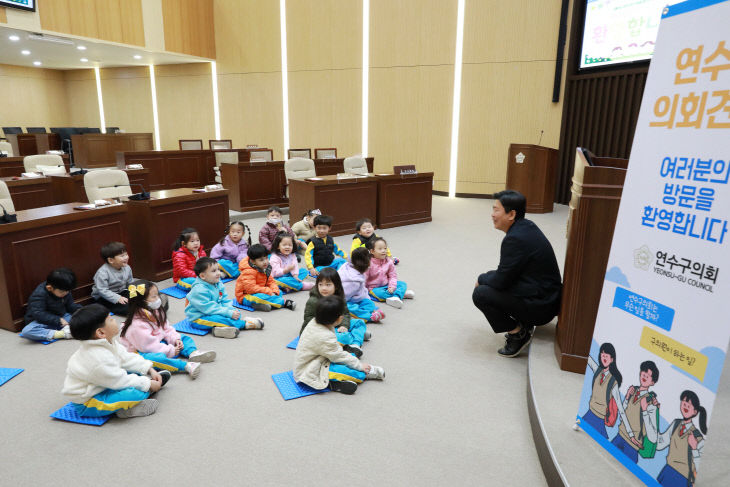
<point>210,187</point>
<point>135,166</point>
<point>257,159</point>
<point>329,156</point>
<point>405,169</point>
<point>252,146</point>
<point>315,179</point>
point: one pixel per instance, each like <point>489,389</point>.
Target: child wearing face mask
<point>146,331</point>
<point>273,226</point>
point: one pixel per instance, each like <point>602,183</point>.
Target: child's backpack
<point>648,449</point>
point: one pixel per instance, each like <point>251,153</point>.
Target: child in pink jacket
<point>147,331</point>
<point>381,279</point>
<point>284,267</point>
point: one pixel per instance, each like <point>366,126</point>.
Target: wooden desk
<point>327,167</point>
<point>32,144</point>
<point>13,166</point>
<point>404,200</point>
<point>156,223</point>
<point>50,237</point>
<point>30,193</point>
<point>100,150</point>
<point>255,186</point>
<point>345,200</point>
<point>67,188</point>
<point>172,169</point>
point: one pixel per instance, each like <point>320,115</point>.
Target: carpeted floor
<point>450,412</point>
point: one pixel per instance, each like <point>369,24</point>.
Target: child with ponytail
<point>685,443</point>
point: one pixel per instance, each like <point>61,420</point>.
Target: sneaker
<point>353,349</point>
<point>343,386</point>
<point>367,336</point>
<point>377,316</point>
<point>144,408</point>
<point>166,376</point>
<point>254,323</point>
<point>394,301</point>
<point>376,373</point>
<point>289,304</point>
<point>261,306</point>
<point>225,331</point>
<point>409,294</point>
<point>66,332</point>
<point>515,343</point>
<point>193,368</point>
<point>202,356</point>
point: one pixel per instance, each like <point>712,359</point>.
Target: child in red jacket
<point>186,250</point>
<point>255,286</point>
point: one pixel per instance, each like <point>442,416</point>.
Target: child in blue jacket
<point>209,306</point>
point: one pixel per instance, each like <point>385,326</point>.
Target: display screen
<point>620,31</point>
<point>21,4</point>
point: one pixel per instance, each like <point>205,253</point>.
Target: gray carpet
<point>449,412</point>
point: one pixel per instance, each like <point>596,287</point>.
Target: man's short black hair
<point>272,209</point>
<point>112,249</point>
<point>203,264</point>
<point>256,251</point>
<point>62,278</point>
<point>329,308</point>
<point>323,220</point>
<point>649,366</point>
<point>362,222</point>
<point>512,200</point>
<point>87,320</point>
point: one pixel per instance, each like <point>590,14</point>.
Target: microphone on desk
<point>142,195</point>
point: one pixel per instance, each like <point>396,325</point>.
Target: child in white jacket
<point>102,377</point>
<point>320,361</point>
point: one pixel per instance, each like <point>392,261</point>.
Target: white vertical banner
<point>662,330</point>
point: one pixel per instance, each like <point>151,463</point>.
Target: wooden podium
<point>532,170</point>
<point>596,194</point>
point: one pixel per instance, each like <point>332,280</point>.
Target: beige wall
<point>83,105</point>
<point>127,98</point>
<point>32,97</point>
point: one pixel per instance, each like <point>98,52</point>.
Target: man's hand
<point>236,314</point>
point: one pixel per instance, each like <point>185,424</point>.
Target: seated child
<point>102,377</point>
<point>274,224</point>
<point>304,228</point>
<point>146,331</point>
<point>351,332</point>
<point>255,286</point>
<point>320,361</point>
<point>112,279</point>
<point>364,233</point>
<point>209,306</point>
<point>186,250</point>
<point>232,248</point>
<point>50,307</point>
<point>284,267</point>
<point>381,279</point>
<point>353,282</point>
<point>321,249</point>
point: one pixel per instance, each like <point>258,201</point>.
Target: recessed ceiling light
<point>14,38</point>
<point>83,60</point>
<point>81,48</point>
<point>37,63</point>
<point>137,56</point>
<point>25,52</point>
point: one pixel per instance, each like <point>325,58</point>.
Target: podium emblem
<point>520,158</point>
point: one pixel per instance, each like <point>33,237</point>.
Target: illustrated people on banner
<point>685,443</point>
<point>642,412</point>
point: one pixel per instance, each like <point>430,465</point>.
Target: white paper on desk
<point>88,206</point>
<point>31,175</point>
<point>315,179</point>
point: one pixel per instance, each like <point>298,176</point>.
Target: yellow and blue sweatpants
<point>339,372</point>
<point>276,301</point>
<point>380,294</point>
<point>355,335</point>
<point>229,268</point>
<point>288,284</point>
<point>160,361</point>
<point>209,322</point>
<point>362,309</point>
<point>335,264</point>
<point>185,283</point>
<point>109,401</point>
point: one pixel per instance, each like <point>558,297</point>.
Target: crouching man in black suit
<point>524,291</point>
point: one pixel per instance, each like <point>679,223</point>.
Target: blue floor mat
<point>293,344</point>
<point>290,389</point>
<point>186,327</point>
<point>44,342</point>
<point>68,413</point>
<point>238,305</point>
<point>7,374</point>
<point>174,292</point>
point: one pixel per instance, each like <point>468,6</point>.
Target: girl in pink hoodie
<point>147,331</point>
<point>381,279</point>
<point>284,267</point>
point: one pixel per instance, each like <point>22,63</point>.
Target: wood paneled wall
<point>109,20</point>
<point>189,27</point>
<point>127,98</point>
<point>3,16</point>
<point>32,97</point>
